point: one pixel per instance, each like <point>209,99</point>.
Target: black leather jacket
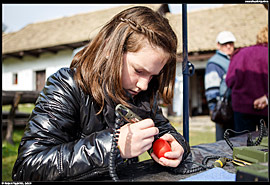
<point>65,139</point>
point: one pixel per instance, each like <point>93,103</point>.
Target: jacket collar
<point>223,54</point>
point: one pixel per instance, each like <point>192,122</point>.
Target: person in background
<point>215,74</point>
<point>247,77</point>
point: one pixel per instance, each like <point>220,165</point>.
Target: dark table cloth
<point>150,171</point>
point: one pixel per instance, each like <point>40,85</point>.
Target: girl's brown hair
<point>99,64</point>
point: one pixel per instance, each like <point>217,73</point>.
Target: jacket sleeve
<point>52,147</point>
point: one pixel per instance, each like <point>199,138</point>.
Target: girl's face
<point>139,67</point>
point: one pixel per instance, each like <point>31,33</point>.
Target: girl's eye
<point>138,71</point>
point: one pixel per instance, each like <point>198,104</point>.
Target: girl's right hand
<point>136,138</point>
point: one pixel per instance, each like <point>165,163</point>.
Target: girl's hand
<point>136,138</point>
<point>174,157</point>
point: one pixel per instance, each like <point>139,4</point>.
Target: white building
<point>33,53</point>
<point>29,73</point>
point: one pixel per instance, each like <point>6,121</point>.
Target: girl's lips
<point>133,92</point>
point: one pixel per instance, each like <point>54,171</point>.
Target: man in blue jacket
<point>215,74</point>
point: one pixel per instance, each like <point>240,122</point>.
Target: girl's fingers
<point>173,155</point>
<point>166,162</point>
<point>168,137</point>
<point>169,162</point>
<point>149,132</point>
<point>146,123</point>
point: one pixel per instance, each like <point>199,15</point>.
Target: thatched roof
<point>244,20</point>
<point>62,31</point>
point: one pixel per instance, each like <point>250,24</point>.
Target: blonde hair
<point>99,65</point>
<point>262,36</point>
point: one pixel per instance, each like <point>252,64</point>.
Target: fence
<point>14,98</point>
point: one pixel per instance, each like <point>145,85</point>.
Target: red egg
<point>160,147</point>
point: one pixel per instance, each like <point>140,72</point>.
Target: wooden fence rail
<point>14,98</point>
<point>26,96</point>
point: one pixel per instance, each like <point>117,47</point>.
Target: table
<point>150,171</point>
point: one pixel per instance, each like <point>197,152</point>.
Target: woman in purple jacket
<point>247,76</point>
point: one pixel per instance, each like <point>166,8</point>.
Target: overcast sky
<point>17,16</point>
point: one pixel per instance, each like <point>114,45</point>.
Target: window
<point>15,78</point>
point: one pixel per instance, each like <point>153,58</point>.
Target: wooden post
<point>11,117</point>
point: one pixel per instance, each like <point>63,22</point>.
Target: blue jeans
<point>220,129</point>
<point>247,121</point>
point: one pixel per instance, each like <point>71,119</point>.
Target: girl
<point>131,61</point>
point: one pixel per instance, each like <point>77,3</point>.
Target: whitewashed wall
<point>27,66</point>
<point>49,62</point>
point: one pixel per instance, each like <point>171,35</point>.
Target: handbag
<point>223,113</point>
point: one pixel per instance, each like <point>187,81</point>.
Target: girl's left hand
<point>174,157</point>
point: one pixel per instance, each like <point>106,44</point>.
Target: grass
<point>9,152</point>
<point>197,138</point>
<point>28,107</point>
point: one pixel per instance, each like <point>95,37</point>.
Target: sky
<point>17,16</point>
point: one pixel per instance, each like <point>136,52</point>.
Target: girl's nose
<point>142,84</point>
